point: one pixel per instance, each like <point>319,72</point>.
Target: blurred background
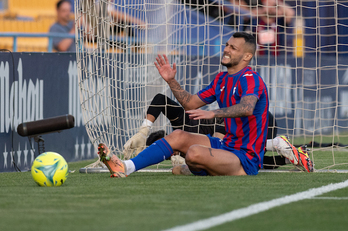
<point>312,26</point>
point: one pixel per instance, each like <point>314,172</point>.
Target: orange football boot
<point>304,159</point>
<point>114,164</point>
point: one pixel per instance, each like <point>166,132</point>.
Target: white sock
<point>129,167</point>
<point>147,123</point>
<point>271,143</point>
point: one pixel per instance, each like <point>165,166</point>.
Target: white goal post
<point>302,57</point>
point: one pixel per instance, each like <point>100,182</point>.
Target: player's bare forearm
<point>244,108</point>
<point>180,94</point>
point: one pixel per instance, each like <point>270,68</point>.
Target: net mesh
<point>302,56</point>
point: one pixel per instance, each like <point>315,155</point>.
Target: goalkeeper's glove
<point>137,143</point>
<point>177,160</point>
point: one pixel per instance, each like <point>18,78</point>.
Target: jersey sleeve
<point>207,95</point>
<point>251,84</point>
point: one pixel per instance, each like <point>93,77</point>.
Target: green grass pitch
<point>158,201</point>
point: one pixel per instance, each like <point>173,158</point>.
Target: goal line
<point>258,208</point>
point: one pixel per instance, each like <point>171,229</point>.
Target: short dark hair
<point>61,2</point>
<point>248,38</point>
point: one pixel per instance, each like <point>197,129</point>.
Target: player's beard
<point>232,63</point>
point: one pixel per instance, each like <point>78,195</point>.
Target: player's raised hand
<point>165,70</point>
<point>200,114</point>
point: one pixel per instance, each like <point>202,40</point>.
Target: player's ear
<point>248,56</point>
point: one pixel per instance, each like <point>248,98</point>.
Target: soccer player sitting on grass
<point>243,100</point>
<point>214,127</point>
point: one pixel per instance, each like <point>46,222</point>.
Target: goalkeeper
<point>214,127</point>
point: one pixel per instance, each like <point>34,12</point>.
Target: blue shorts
<point>250,167</point>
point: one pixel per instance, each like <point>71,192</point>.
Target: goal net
<point>302,56</point>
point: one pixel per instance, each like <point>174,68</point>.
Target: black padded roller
<point>48,125</point>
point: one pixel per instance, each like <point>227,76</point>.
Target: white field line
<point>258,208</point>
<point>330,198</point>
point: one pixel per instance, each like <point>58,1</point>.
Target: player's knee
<point>177,138</point>
<point>159,99</point>
<point>193,154</point>
<point>178,134</point>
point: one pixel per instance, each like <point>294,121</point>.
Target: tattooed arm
<point>187,100</point>
<point>244,108</point>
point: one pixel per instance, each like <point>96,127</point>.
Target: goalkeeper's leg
<point>273,162</point>
<point>169,108</point>
<point>160,104</point>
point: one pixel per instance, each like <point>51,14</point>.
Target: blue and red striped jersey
<point>246,134</point>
